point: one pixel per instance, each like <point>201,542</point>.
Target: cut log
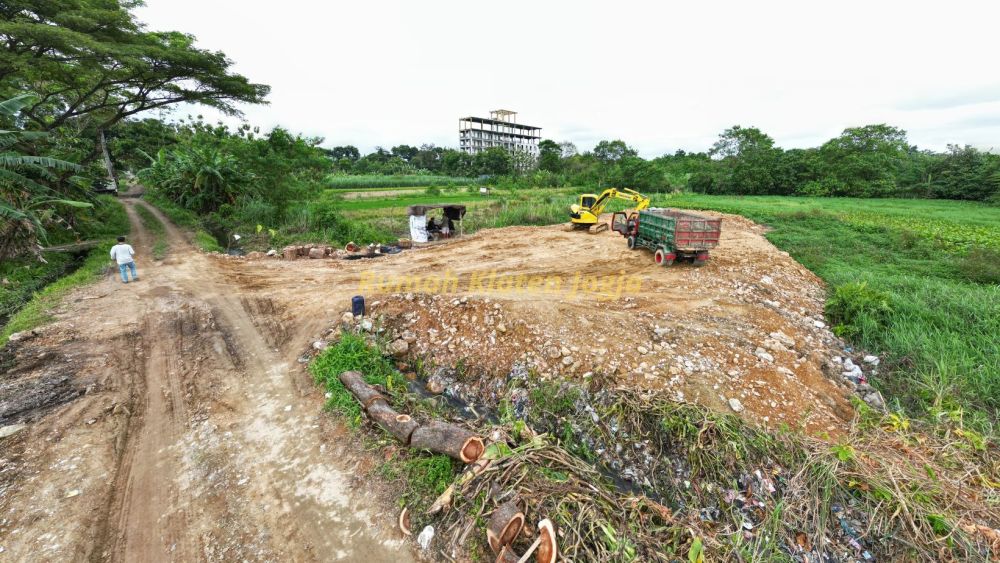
<point>548,551</point>
<point>507,555</point>
<point>448,439</point>
<point>366,394</point>
<point>504,525</point>
<point>401,426</point>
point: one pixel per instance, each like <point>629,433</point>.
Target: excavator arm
<point>582,214</point>
<point>641,201</point>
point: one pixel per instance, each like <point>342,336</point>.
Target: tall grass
<point>343,182</point>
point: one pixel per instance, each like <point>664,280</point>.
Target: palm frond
<point>17,103</point>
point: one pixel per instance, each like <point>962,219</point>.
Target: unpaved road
<point>170,422</point>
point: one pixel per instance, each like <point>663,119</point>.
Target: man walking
<point>123,253</point>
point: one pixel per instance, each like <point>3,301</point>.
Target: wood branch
<point>504,525</point>
<point>364,393</point>
<point>471,472</point>
<point>401,426</point>
<point>448,439</point>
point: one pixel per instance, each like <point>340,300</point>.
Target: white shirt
<point>122,253</point>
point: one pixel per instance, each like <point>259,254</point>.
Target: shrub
<point>858,310</point>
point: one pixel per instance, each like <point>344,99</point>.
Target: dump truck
<point>671,234</point>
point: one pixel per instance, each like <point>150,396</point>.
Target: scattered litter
<point>425,537</point>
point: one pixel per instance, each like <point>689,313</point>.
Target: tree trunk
<point>366,394</point>
<point>448,439</point>
<point>107,159</point>
<point>401,426</point>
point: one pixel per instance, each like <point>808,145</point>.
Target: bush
<point>858,310</point>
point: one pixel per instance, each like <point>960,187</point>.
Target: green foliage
<point>858,310</point>
<point>340,181</point>
<point>981,265</point>
<point>28,203</point>
<point>351,352</point>
<point>426,477</point>
<point>93,65</point>
<point>29,292</point>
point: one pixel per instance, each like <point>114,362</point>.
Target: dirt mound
<point>743,333</point>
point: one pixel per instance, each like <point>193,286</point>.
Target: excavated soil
<point>747,326</point>
<point>169,419</point>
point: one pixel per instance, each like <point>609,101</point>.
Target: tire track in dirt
<point>257,439</point>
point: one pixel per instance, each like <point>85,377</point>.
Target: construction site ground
<point>170,418</point>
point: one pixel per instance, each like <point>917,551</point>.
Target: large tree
<point>865,161</point>
<point>549,156</point>
<point>92,65</point>
<point>750,157</point>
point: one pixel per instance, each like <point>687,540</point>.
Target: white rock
<point>11,429</point>
<point>763,355</point>
<point>736,405</point>
<point>642,350</point>
<point>873,360</point>
<point>425,537</point>
<point>320,345</point>
<point>347,318</point>
<point>819,324</point>
<point>567,360</point>
<point>366,325</point>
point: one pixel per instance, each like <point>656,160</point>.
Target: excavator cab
<point>588,200</point>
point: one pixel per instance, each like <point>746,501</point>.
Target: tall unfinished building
<point>477,134</point>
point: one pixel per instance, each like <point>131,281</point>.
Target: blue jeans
<point>124,268</point>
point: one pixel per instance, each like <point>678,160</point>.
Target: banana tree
<point>27,201</point>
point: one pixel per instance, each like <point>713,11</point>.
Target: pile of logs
<point>308,251</point>
<point>507,521</point>
<point>438,437</point>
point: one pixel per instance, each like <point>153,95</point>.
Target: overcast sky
<point>661,76</point>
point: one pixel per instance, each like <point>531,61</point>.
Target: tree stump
<point>448,439</point>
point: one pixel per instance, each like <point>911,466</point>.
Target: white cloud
<point>659,75</point>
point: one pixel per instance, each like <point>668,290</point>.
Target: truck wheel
<point>700,260</point>
<point>662,258</point>
<point>630,241</point>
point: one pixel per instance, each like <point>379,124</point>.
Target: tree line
<point>870,161</point>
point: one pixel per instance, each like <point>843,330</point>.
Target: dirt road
<point>169,421</point>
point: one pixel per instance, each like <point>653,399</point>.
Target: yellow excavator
<point>586,212</point>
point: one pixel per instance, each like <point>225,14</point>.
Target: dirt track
<point>171,420</point>
<point>194,439</point>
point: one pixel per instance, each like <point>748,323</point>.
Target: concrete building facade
<point>501,129</point>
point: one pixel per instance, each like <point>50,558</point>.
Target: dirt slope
<point>168,422</point>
